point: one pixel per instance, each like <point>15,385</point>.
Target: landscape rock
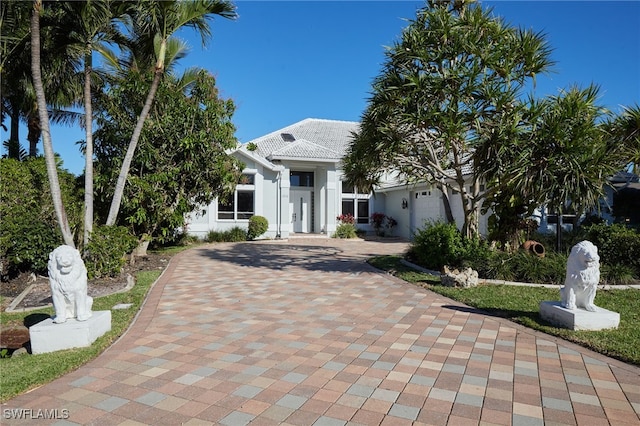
<point>456,278</point>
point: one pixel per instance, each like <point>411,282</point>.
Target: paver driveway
<point>305,332</point>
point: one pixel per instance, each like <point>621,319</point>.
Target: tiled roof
<point>302,148</point>
<point>312,139</point>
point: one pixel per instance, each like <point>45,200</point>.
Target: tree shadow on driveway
<point>321,255</point>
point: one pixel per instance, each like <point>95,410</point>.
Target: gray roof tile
<point>314,139</point>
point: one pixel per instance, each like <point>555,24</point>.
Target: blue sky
<point>283,61</point>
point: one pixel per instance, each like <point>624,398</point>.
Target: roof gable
<point>303,149</point>
<point>310,138</point>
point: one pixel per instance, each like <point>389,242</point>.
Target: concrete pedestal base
<point>49,337</point>
<point>578,319</point>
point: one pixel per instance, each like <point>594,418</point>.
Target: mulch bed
<point>14,336</point>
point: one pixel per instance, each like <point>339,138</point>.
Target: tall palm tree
<point>94,27</point>
<point>58,65</point>
<point>153,24</point>
<point>52,170</point>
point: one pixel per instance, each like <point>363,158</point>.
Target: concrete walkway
<point>304,332</point>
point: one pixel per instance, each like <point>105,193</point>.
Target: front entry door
<point>299,202</point>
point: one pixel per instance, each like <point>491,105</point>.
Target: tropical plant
<point>560,158</point>
<point>151,26</point>
<point>181,163</point>
<point>345,230</point>
<point>382,222</point>
<point>451,83</point>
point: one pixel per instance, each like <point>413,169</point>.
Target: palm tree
<point>627,135</point>
<point>152,24</point>
<point>93,28</point>
<point>58,65</point>
<point>52,171</point>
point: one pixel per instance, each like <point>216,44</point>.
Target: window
<point>226,208</point>
<point>245,204</point>
<point>301,179</point>
<point>363,211</point>
<point>355,203</point>
<point>240,205</point>
<point>347,188</point>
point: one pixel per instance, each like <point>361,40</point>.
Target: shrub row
<point>438,244</point>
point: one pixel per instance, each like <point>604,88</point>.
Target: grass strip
<point>521,305</point>
<point>22,373</point>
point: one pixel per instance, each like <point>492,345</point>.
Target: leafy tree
<point>454,77</point>
<point>152,25</point>
<point>181,163</point>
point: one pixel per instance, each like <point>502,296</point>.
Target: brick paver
<point>304,332</point>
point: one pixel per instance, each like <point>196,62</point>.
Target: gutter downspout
<point>279,206</point>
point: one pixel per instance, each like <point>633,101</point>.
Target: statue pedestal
<point>578,319</point>
<point>49,337</point>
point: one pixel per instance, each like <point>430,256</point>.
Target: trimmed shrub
<point>258,225</point>
<point>106,252</point>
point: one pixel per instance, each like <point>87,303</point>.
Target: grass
<point>21,373</point>
<point>521,305</point>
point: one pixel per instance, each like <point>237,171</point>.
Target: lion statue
<point>583,276</point>
<point>68,279</point>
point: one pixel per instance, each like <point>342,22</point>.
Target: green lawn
<point>521,305</point>
<point>21,373</point>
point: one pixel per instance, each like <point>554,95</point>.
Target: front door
<point>299,206</point>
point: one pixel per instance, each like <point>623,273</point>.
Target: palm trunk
<point>15,125</point>
<point>126,163</point>
<point>88,165</point>
<point>34,131</point>
<point>52,171</point>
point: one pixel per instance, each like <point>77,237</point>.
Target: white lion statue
<point>68,279</point>
<point>583,276</point>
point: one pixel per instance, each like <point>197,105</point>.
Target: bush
<point>437,244</point>
<point>258,225</point>
<point>28,226</point>
<point>236,234</point>
<point>346,230</point>
<point>29,245</point>
<point>107,249</point>
<point>380,222</point>
<point>617,245</point>
<point>232,235</point>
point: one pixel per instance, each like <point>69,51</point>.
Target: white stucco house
<point>293,177</point>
